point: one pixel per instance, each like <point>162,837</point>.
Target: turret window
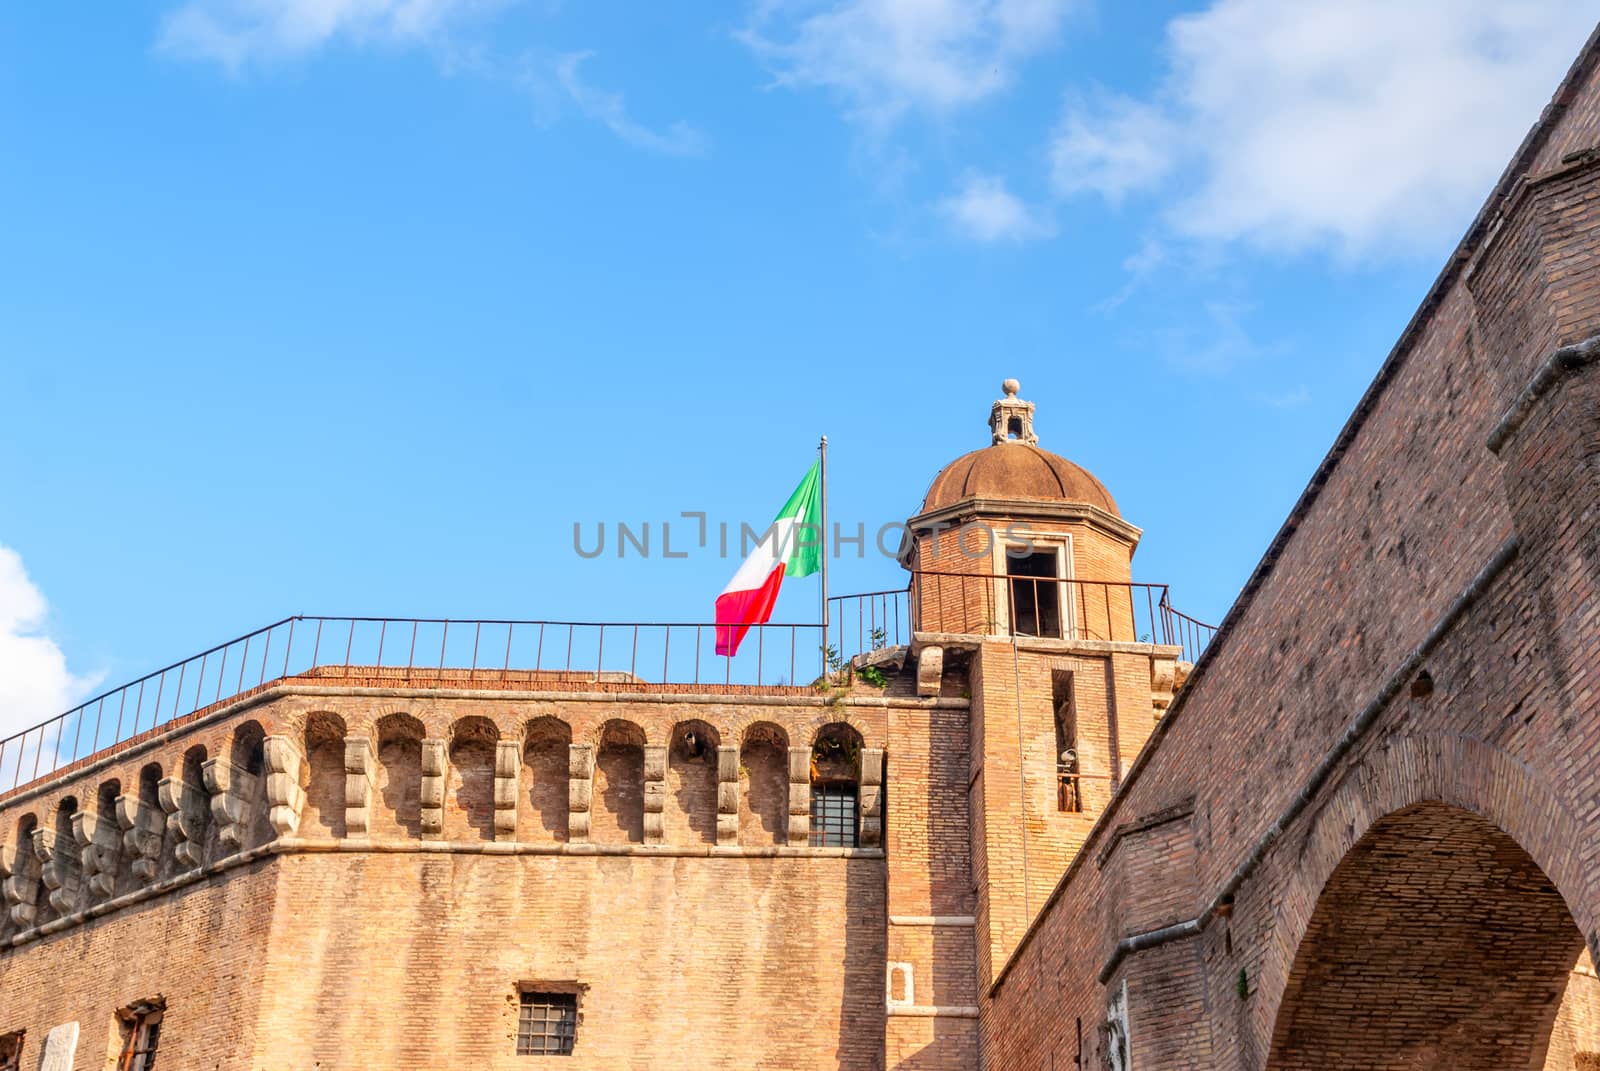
<point>1035,594</point>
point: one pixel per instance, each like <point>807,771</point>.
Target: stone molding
<point>1556,368</point>
<point>184,805</point>
<point>141,826</point>
<point>1035,509</point>
<point>360,784</point>
<point>310,846</point>
<point>285,798</point>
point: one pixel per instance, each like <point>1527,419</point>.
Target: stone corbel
<point>871,797</point>
<point>799,795</point>
<point>727,795</point>
<point>99,848</point>
<point>930,671</point>
<point>435,760</point>
<point>360,785</point>
<point>231,790</point>
<point>184,805</point>
<point>286,800</point>
<point>58,858</point>
<point>1163,682</point>
<point>507,784</point>
<point>19,882</point>
<point>655,792</point>
<point>141,827</point>
<point>580,791</point>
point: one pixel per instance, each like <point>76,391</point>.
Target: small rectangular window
<point>547,1024</point>
<point>833,815</point>
<point>141,1034</point>
<point>1035,594</point>
<point>11,1051</point>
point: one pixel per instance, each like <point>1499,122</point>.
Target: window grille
<point>142,1024</point>
<point>547,1024</point>
<point>11,1051</point>
<point>833,815</point>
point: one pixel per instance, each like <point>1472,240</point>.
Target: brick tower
<point>1021,568</point>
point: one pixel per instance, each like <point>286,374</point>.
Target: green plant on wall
<point>832,749</point>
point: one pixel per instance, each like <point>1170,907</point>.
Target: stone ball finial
<point>1011,387</point>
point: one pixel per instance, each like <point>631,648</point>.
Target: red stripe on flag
<point>738,610</point>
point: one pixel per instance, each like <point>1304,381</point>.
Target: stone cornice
<point>307,846</point>
<point>119,753</point>
<point>964,642</point>
<point>1027,509</point>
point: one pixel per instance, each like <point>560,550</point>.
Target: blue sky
<point>357,306</point>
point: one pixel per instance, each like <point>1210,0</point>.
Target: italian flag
<point>789,548</point>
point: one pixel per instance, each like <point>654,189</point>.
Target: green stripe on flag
<point>805,508</point>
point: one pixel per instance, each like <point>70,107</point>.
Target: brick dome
<point>1016,470</point>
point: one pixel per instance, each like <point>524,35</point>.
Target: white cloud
<point>985,211</point>
<point>35,683</point>
<point>885,57</point>
<point>1112,146</point>
<point>1362,125</point>
<point>609,108</point>
<point>237,33</point>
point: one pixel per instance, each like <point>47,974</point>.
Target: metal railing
<point>613,655</point>
<point>994,604</point>
<point>436,651</point>
<point>867,622</point>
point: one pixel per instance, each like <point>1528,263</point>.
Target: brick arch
<point>544,779</point>
<point>469,780</point>
<point>618,794</point>
<point>322,775</point>
<point>397,806</point>
<point>1381,826</point>
<point>1437,942</point>
<point>618,731</point>
<point>756,727</point>
<point>764,784</point>
<point>690,813</point>
<point>814,730</point>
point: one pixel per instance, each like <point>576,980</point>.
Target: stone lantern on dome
<point>1012,537</point>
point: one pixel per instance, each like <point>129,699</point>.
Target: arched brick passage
<point>546,765</point>
<point>324,776</point>
<point>247,752</point>
<point>194,803</point>
<point>399,777</point>
<point>619,784</point>
<point>764,773</point>
<point>469,806</point>
<point>1436,943</point>
<point>691,811</point>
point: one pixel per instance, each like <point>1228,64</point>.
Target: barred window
<point>11,1051</point>
<point>547,1024</point>
<point>833,815</point>
<point>141,1026</point>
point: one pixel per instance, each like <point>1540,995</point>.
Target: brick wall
<point>316,946</point>
<point>1391,564</point>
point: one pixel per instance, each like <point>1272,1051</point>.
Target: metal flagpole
<point>822,448</point>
